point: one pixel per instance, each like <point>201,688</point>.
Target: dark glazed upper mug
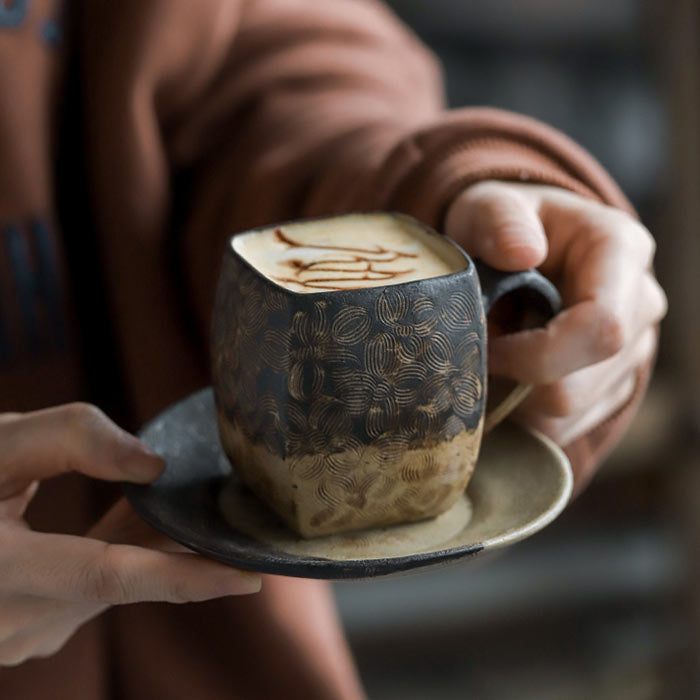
<point>353,408</point>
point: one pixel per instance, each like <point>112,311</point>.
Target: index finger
<point>577,337</point>
<point>72,437</point>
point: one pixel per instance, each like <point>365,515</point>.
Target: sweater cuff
<point>429,168</point>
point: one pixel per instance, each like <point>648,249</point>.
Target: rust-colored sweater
<point>135,138</point>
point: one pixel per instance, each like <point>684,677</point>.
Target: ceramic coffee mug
<point>357,408</point>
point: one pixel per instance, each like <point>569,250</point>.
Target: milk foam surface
<point>348,252</point>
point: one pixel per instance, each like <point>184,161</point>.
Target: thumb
<point>82,569</point>
<point>499,224</point>
<point>77,437</point>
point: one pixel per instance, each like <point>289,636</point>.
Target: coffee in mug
<point>349,368</point>
<point>350,252</point>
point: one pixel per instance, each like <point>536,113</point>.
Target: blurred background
<point>605,603</point>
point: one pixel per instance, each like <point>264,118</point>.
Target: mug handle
<point>536,293</point>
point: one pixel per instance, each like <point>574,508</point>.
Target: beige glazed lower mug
<point>357,408</point>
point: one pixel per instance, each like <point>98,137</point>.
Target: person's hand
<point>51,584</point>
<point>584,363</point>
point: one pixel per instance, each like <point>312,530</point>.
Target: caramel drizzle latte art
<point>354,264</point>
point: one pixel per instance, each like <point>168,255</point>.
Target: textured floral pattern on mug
<point>323,429</point>
<point>407,320</point>
<point>266,424</point>
<point>454,382</point>
<point>384,389</point>
<point>395,373</point>
<point>237,364</point>
<point>304,351</point>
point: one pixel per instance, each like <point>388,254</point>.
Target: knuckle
<point>613,218</point>
<point>639,239</point>
<point>637,236</point>
<point>620,220</point>
<point>660,300</point>
<point>597,223</point>
<point>647,346</point>
<point>612,222</point>
<point>82,415</point>
<point>84,423</point>
<point>609,333</point>
<point>648,242</point>
<point>103,578</point>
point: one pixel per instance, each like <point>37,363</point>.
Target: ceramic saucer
<point>522,481</point>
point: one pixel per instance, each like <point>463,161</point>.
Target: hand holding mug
<point>585,361</point>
